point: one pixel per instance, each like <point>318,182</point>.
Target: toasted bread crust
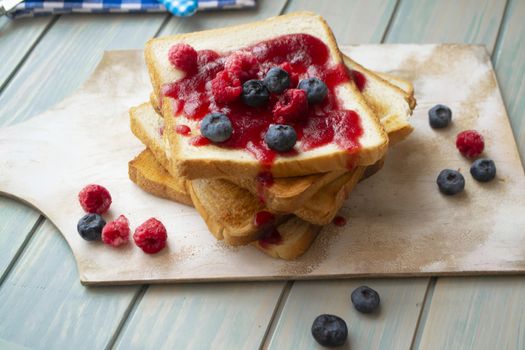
<point>402,86</point>
<point>228,210</point>
<point>141,133</point>
<point>334,193</point>
<point>148,174</point>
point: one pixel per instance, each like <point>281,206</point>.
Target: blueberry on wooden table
<point>329,330</point>
<point>365,299</point>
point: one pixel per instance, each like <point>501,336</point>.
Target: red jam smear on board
<point>263,218</point>
<point>308,56</point>
<point>339,221</point>
<point>359,79</point>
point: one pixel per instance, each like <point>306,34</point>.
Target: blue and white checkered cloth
<point>177,7</point>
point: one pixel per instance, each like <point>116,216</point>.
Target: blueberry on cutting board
<point>90,227</point>
<point>483,170</point>
<point>439,116</point>
<point>450,182</point>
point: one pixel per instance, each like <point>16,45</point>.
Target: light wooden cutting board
<point>398,222</point>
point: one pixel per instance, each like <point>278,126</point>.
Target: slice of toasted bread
<point>211,161</point>
<point>318,208</point>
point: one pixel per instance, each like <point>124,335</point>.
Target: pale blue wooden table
<point>43,305</point>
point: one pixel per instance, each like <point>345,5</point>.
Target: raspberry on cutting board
<point>94,199</point>
<point>151,236</point>
<point>470,143</point>
<point>116,232</point>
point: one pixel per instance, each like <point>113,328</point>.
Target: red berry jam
<point>303,56</point>
<point>359,79</point>
<point>264,180</point>
<point>199,141</point>
<point>272,237</point>
<point>263,218</point>
<point>339,221</point>
<point>182,130</point>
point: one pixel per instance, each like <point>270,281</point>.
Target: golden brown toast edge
<point>324,205</point>
<point>148,174</point>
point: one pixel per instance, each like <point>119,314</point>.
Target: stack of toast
<point>279,202</point>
